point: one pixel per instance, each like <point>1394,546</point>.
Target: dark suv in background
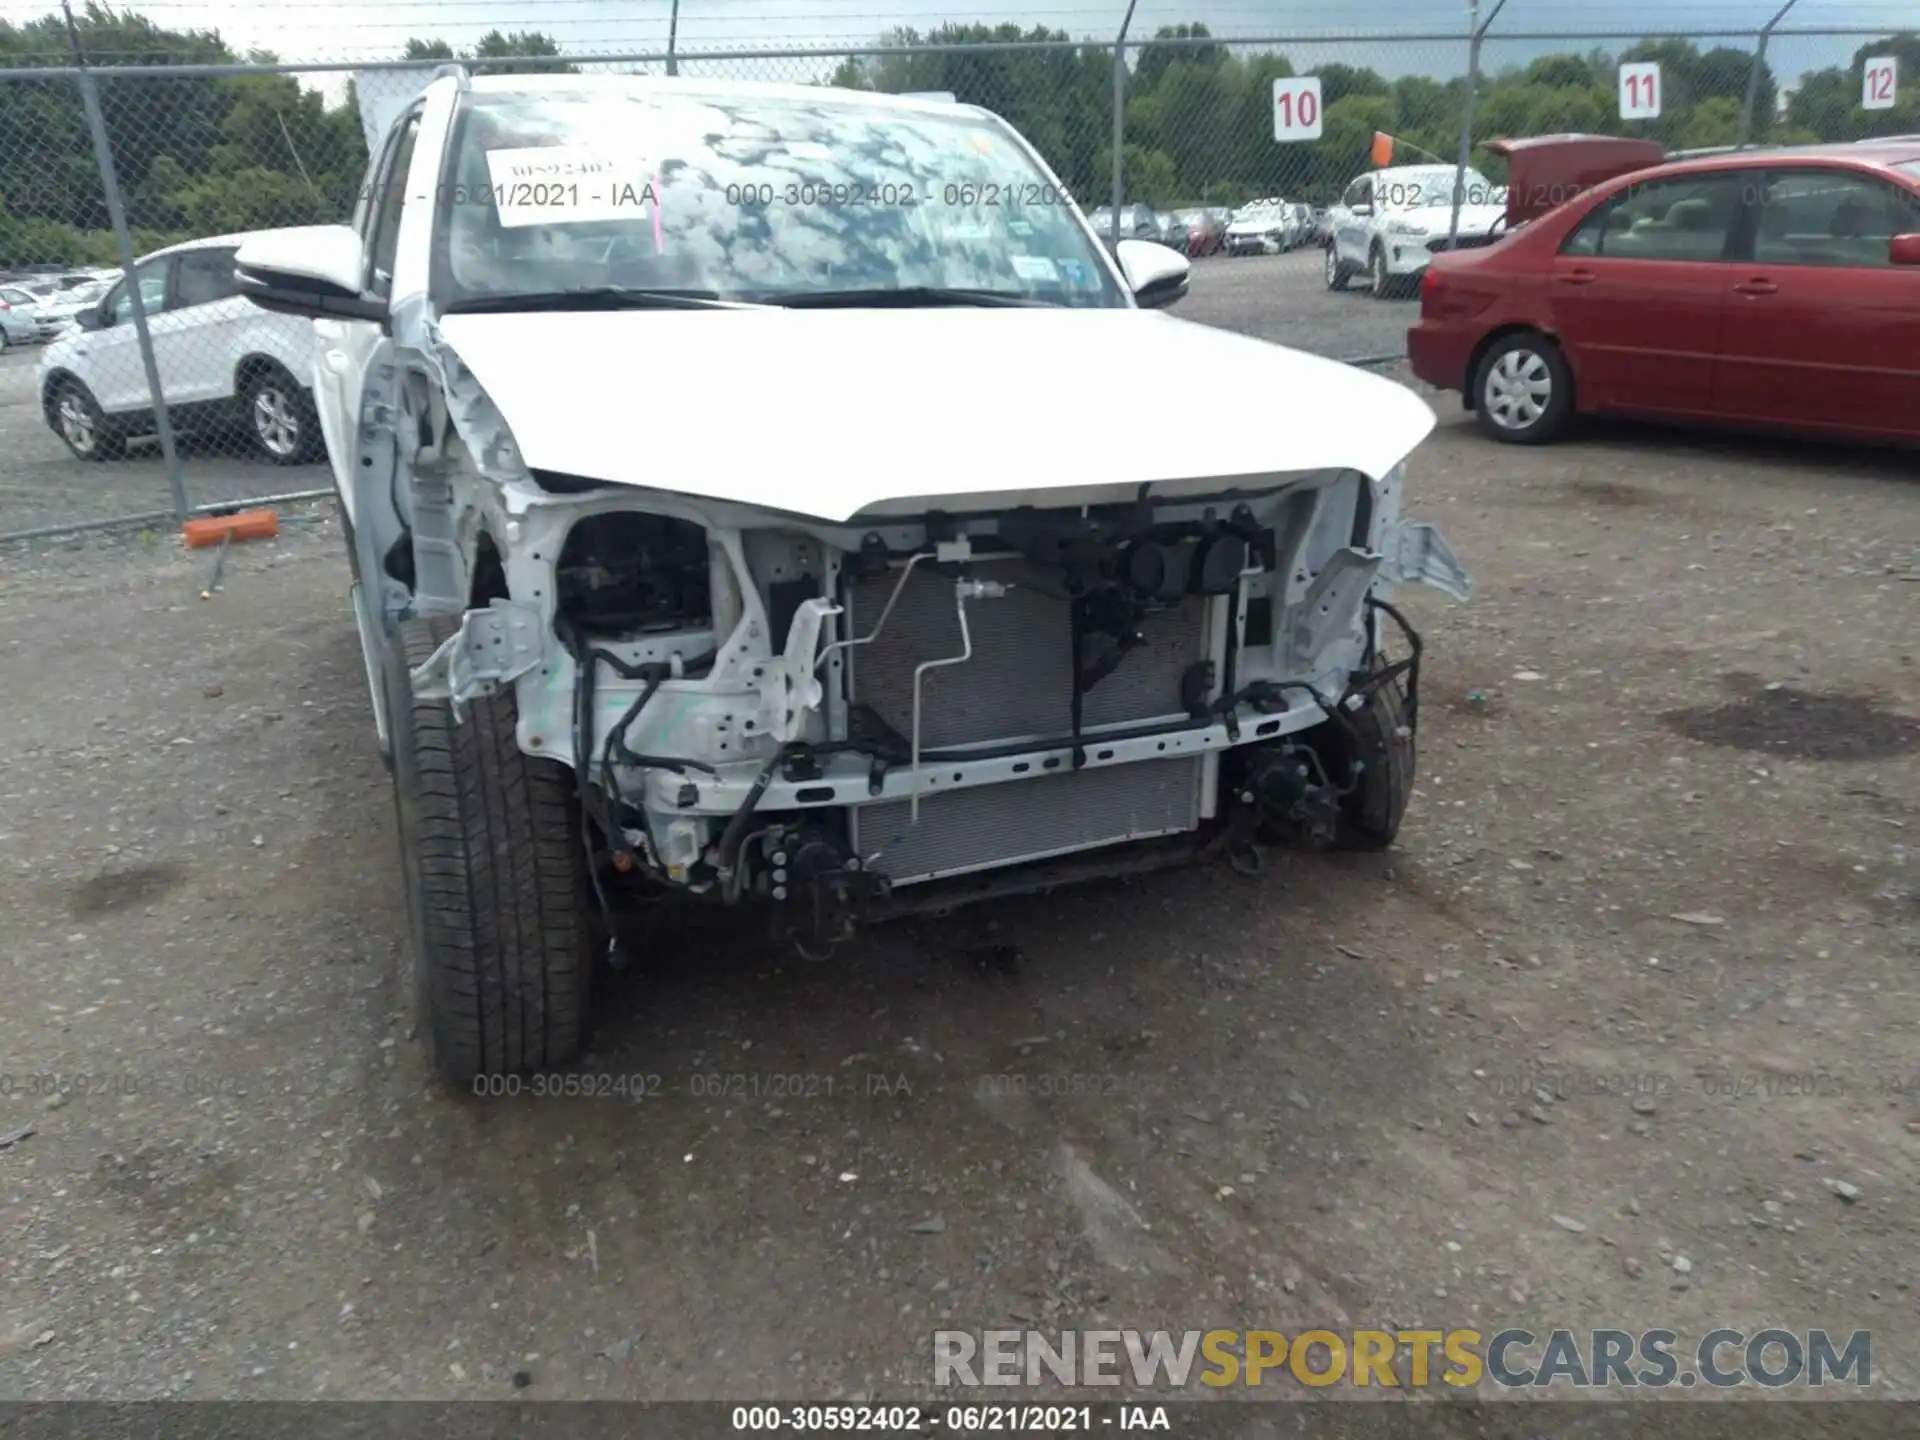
<point>1137,222</point>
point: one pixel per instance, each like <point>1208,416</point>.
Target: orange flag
<point>1382,149</point>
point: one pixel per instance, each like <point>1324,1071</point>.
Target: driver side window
<point>382,234</point>
<point>152,279</point>
<point>1360,193</point>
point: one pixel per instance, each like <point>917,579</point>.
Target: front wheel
<point>497,889</point>
<point>1337,276</point>
<point>1522,391</point>
<point>1370,816</point>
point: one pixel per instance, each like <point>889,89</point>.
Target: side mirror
<point>1364,207</point>
<point>92,318</point>
<point>1157,275</point>
<point>1904,250</point>
<point>312,271</point>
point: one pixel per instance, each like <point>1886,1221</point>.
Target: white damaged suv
<point>753,499</point>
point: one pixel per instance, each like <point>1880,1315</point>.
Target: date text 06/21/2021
<point>950,1419</point>
<point>637,195</point>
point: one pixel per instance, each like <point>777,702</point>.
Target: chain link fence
<point>166,393</point>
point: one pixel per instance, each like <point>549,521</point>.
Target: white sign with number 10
<point>1879,82</point>
<point>1640,91</point>
<point>1296,108</point>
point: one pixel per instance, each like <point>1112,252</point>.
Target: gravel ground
<point>1284,298</point>
<point>1621,1034</point>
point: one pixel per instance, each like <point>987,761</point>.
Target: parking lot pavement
<point>1276,297</point>
<point>42,484</point>
<point>1284,298</point>
<point>1620,1034</point>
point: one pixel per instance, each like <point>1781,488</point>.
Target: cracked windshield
<point>754,199</point>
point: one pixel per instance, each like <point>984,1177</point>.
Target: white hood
<point>832,413</point>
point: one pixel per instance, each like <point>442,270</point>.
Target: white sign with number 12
<point>1640,91</point>
<point>1879,82</point>
<point>1296,108</point>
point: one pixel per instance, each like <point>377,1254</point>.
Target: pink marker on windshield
<point>659,241</point>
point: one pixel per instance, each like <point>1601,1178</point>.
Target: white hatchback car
<point>1261,228</point>
<point>224,363</point>
<point>1390,223</point>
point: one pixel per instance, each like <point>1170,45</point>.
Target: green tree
<point>521,52</point>
<point>1715,121</point>
<point>1150,177</point>
<point>1338,81</point>
<point>1174,44</point>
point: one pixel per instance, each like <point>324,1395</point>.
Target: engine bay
<point>827,719</point>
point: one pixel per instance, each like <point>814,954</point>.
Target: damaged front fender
<point>1417,554</point>
<point>492,647</point>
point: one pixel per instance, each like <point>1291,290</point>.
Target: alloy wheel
<point>275,421</point>
<point>76,423</point>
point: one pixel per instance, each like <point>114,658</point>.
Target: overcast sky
<point>354,31</point>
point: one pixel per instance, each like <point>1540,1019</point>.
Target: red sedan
<point>1766,288</point>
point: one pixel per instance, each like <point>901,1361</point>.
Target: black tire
<point>1337,276</point>
<point>1507,400</point>
<point>1370,816</point>
<point>82,425</point>
<point>282,425</point>
<point>498,898</point>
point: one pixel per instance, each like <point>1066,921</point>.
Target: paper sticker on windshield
<point>567,185</point>
<point>968,232</point>
<point>1035,267</point>
<point>1075,273</point>
<point>809,150</point>
<point>1019,227</point>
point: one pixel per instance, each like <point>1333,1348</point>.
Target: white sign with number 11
<point>1879,82</point>
<point>1296,108</point>
<point>1640,91</point>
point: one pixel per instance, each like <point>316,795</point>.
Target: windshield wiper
<point>905,296</point>
<point>596,297</point>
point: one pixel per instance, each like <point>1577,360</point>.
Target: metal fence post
<point>117,217</point>
<point>673,36</point>
<point>1753,76</point>
<point>1120,122</point>
<point>1476,33</point>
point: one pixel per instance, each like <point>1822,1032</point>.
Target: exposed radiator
<point>1017,686</point>
<point>1023,820</point>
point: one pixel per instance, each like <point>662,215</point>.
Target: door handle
<point>336,361</point>
<point>1757,287</point>
<point>1577,277</point>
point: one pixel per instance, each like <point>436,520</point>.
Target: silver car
<point>22,320</point>
<point>60,310</point>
